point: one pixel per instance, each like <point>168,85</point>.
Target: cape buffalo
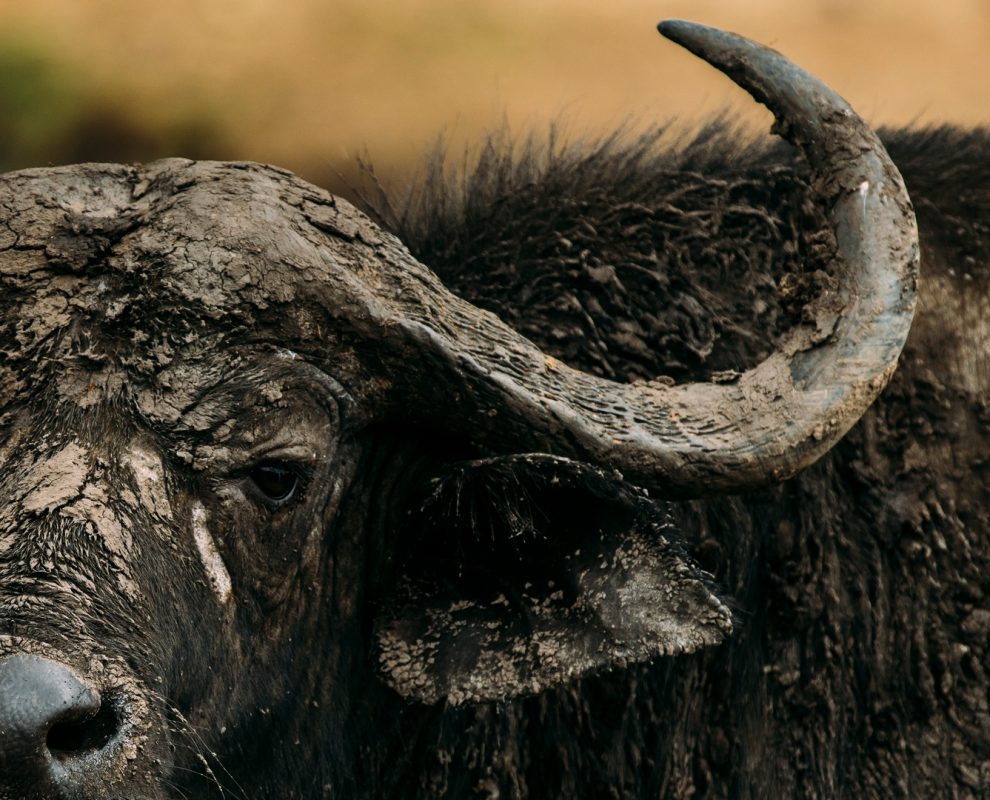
<point>286,515</point>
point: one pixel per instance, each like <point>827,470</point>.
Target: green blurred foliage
<point>50,114</point>
<point>36,103</point>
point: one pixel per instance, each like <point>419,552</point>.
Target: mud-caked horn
<point>465,370</point>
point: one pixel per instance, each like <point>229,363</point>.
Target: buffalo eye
<point>277,481</point>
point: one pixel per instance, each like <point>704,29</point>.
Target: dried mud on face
<point>858,589</point>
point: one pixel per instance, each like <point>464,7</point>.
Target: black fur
<point>858,666</point>
<point>860,588</point>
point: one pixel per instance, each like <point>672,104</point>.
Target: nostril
<point>62,734</point>
<point>69,738</point>
<point>50,714</point>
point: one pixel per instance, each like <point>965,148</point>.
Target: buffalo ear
<point>522,572</point>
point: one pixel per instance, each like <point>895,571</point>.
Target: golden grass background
<point>310,84</point>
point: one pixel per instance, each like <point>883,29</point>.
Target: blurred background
<point>313,84</point>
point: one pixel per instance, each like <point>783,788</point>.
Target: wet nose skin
<point>45,708</point>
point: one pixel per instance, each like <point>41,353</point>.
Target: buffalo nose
<point>52,724</point>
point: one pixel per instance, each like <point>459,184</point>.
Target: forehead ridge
<point>215,242</point>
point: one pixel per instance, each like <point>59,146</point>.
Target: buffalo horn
<point>701,438</point>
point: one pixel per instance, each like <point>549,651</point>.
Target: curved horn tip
<point>693,35</point>
<point>672,28</point>
<point>763,72</point>
<point>800,102</point>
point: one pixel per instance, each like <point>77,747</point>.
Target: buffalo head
<point>259,464</point>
